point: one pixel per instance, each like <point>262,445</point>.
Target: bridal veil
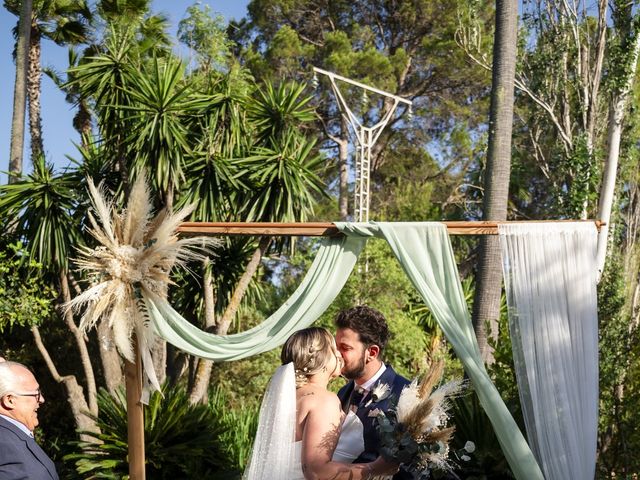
<point>274,453</point>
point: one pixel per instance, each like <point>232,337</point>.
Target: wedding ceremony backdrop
<point>550,270</point>
<point>520,116</point>
<point>551,283</point>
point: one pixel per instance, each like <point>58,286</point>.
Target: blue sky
<point>58,133</point>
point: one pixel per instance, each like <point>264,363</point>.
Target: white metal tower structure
<point>366,137</point>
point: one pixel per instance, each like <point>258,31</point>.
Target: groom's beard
<point>354,372</point>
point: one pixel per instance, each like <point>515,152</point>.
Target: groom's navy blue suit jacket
<point>20,456</point>
<point>371,438</point>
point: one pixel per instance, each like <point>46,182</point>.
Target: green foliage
<point>619,376</point>
<point>284,180</point>
<point>238,425</point>
<point>204,32</point>
<point>472,424</point>
<point>25,297</point>
<point>62,21</point>
<point>161,102</point>
<point>275,112</point>
<point>42,206</point>
<point>181,440</point>
<point>583,176</point>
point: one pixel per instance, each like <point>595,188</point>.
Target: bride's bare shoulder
<point>310,396</point>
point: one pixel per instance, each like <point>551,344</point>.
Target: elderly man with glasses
<point>20,398</point>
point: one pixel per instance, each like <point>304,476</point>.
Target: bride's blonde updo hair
<point>309,350</point>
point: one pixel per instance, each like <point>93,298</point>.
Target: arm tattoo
<point>330,440</point>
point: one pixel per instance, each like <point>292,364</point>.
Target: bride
<point>299,432</point>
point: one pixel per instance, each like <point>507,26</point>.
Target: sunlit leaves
<point>285,180</point>
<point>25,298</point>
<point>161,103</point>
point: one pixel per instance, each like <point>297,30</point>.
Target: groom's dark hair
<point>368,322</point>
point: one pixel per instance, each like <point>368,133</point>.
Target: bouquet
<point>415,433</point>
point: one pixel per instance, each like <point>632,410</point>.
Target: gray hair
<point>9,377</point>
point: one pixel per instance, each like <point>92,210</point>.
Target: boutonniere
<point>379,393</point>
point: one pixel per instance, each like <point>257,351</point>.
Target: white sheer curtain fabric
<point>550,276</point>
<point>425,253</point>
<point>274,452</point>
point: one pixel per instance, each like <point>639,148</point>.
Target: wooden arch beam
<point>328,229</point>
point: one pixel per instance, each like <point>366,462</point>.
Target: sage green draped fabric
<point>425,252</point>
<point>324,280</point>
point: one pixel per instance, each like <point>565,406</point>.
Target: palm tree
<point>73,95</point>
<point>64,22</point>
<point>162,103</point>
<point>20,93</point>
<point>486,304</point>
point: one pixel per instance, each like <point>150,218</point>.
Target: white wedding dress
<point>276,455</point>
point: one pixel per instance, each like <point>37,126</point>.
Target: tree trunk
<point>159,356</point>
<point>82,346</point>
<point>486,305</point>
<point>343,167</point>
<point>241,288</point>
<point>82,121</point>
<point>203,370</point>
<point>111,365</point>
<point>616,115</point>
<point>34,79</point>
<point>75,393</point>
<point>20,93</point>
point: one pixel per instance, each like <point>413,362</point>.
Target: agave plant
<point>181,440</point>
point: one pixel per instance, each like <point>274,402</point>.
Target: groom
<point>361,336</point>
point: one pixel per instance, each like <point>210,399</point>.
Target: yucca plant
<point>181,440</point>
<point>40,209</point>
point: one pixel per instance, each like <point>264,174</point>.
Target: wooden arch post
<point>133,371</point>
<point>135,416</point>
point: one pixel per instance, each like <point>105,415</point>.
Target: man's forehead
<point>23,375</point>
<point>347,335</point>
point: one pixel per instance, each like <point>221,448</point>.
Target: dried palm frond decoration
<point>415,432</point>
<point>134,256</point>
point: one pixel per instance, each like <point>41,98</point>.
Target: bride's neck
<point>318,381</point>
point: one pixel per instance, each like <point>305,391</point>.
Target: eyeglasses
<point>37,395</point>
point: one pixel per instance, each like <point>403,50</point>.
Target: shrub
<point>181,440</point>
<point>238,427</point>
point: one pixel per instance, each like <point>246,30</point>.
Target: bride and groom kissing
<point>307,432</point>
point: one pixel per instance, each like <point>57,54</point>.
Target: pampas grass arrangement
<point>415,434</point>
<point>134,256</point>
